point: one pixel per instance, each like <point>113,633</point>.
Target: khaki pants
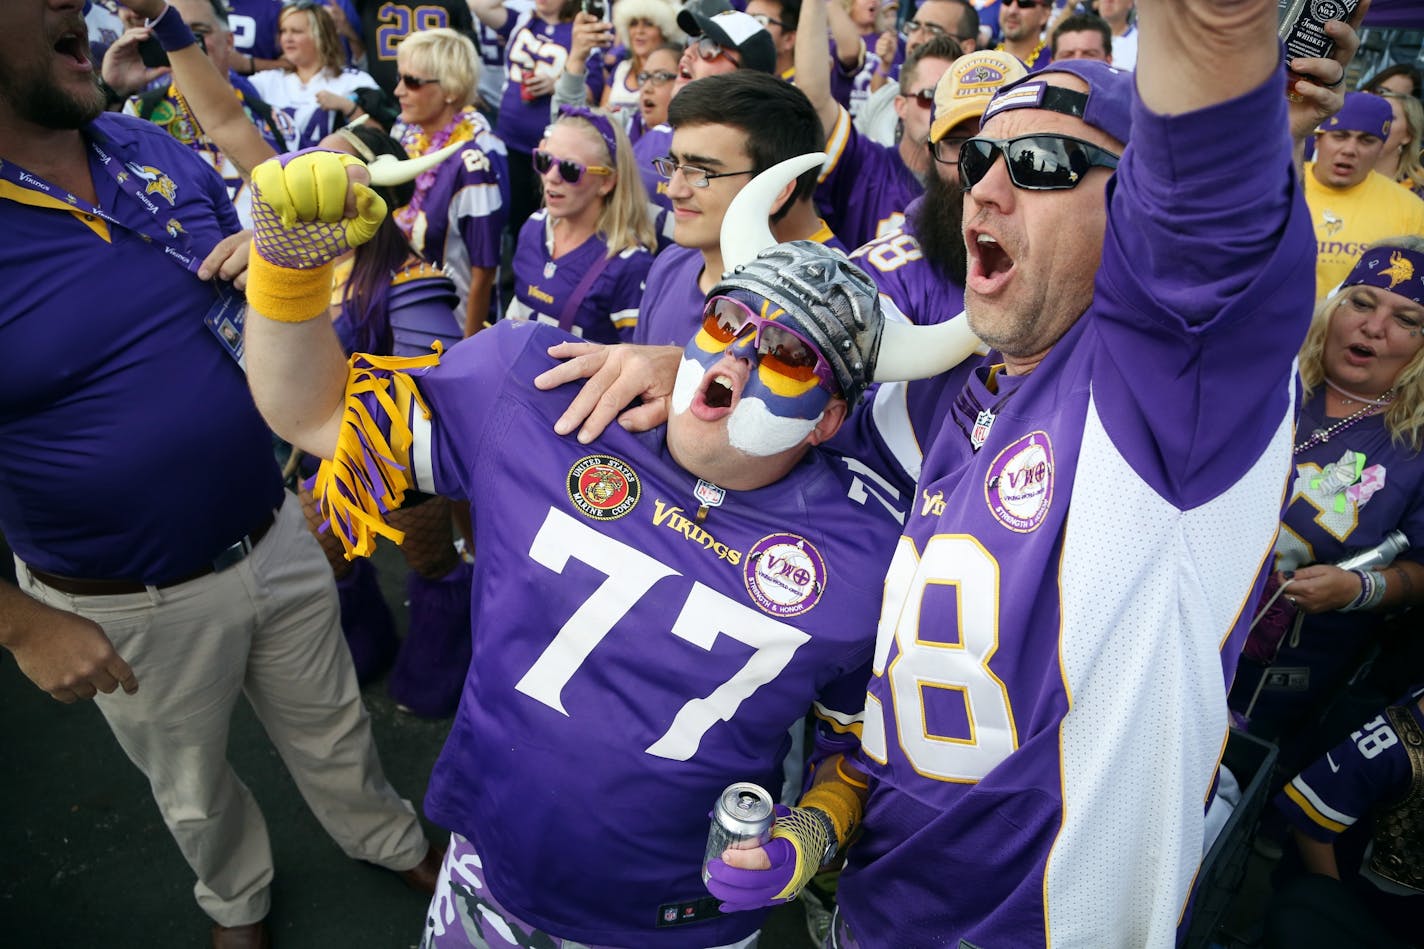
<point>268,628</point>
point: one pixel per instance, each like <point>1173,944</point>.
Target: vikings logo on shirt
<point>1331,222</point>
<point>785,575</point>
<point>1019,488</point>
<point>603,487</point>
<point>158,182</point>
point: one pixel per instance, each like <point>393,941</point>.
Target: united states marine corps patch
<point>785,575</point>
<point>603,487</point>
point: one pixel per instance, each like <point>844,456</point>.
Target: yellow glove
<point>300,226</point>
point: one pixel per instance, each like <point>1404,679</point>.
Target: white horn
<point>918,352</point>
<point>388,170</point>
<point>746,230</point>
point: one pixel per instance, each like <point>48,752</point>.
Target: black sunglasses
<point>569,170</point>
<point>1041,162</point>
<point>415,82</point>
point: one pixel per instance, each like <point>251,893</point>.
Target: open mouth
<point>718,394</point>
<point>1361,351</point>
<point>990,264</point>
<point>75,46</point>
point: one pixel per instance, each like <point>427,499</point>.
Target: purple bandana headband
<point>1390,268</point>
<point>600,123</point>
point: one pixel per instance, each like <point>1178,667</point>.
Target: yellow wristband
<point>837,801</point>
<point>285,295</point>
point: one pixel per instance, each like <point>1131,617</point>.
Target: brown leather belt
<point>78,586</point>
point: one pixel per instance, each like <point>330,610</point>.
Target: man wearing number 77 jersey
<point>652,612</point>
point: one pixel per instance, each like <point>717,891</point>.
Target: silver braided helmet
<point>824,297</point>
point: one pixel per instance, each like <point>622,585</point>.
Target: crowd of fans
<point>590,166</point>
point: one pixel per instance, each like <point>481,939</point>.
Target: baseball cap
<point>1107,106</point>
<point>968,85</point>
<point>1361,112</point>
<point>734,30</point>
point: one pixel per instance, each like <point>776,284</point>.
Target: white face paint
<point>689,377</point>
<point>753,430</point>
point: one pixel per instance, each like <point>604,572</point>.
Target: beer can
<point>741,820</point>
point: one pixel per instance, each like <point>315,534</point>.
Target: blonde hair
<point>1405,416</point>
<point>449,57</point>
<point>623,221</point>
<point>662,13</point>
<point>323,31</point>
<point>1411,162</point>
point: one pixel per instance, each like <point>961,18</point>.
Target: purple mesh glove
<point>742,890</point>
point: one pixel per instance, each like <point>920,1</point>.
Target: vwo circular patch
<point>603,487</point>
<point>785,574</point>
<point>1019,488</point>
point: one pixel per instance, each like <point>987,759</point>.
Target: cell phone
<point>152,53</point>
<point>595,8</point>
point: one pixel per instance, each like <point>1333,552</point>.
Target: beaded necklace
<point>462,127</point>
<point>1032,57</point>
<point>1322,435</point>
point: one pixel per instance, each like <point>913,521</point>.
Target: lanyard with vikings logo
<point>138,182</point>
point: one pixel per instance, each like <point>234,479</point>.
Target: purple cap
<point>1107,106</point>
<point>1361,112</point>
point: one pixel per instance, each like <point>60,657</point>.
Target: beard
<point>36,98</point>
<point>939,229</point>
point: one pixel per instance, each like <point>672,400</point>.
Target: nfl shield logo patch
<point>709,494</point>
<point>982,424</point>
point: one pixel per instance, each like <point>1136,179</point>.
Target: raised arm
<point>490,12</point>
<point>813,63</point>
<point>1196,53</point>
<point>850,48</point>
<point>207,92</point>
<point>308,212</point>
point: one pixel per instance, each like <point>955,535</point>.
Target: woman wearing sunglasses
<point>1358,477</point>
<point>538,47</point>
<point>580,262</point>
<point>314,92</point>
<point>459,210</point>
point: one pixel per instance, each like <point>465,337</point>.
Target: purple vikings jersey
<point>535,47</point>
<point>1336,799</point>
<point>608,309</point>
<point>631,658</point>
<point>672,302</point>
<point>254,27</point>
<point>1328,518</point>
<point>96,396</point>
<point>471,187</point>
<point>865,187</point>
<point>1047,706</point>
<point>898,267</point>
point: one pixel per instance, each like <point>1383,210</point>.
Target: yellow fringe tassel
<point>344,488</point>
